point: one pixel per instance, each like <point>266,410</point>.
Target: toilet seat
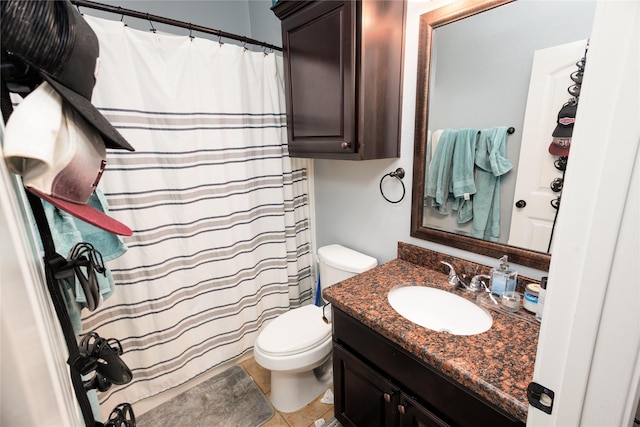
<point>294,332</point>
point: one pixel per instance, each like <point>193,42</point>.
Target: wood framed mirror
<point>429,22</point>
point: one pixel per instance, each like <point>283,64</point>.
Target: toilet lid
<point>295,331</point>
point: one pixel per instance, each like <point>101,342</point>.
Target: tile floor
<point>302,418</point>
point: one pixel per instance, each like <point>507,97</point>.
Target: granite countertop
<point>497,365</point>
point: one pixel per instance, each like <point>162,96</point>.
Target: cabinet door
<point>413,414</point>
<point>320,72</point>
<point>362,396</point>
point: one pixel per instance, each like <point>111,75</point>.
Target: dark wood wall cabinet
<point>343,77</point>
<point>377,383</point>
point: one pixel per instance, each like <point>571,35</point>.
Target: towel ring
<point>399,174</point>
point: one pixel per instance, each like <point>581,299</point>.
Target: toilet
<point>296,346</point>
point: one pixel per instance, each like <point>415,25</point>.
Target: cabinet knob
<point>387,397</point>
<point>521,204</point>
<point>401,409</point>
<point>345,145</point>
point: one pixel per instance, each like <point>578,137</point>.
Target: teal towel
<point>432,144</point>
<point>491,163</point>
<point>438,182</point>
<point>66,231</point>
<point>463,185</point>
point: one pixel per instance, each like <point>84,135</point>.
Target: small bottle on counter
<point>541,297</point>
<point>531,294</point>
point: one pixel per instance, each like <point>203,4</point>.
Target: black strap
<point>53,261</point>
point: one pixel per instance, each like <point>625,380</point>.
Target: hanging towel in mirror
<point>463,185</point>
<point>491,163</point>
<point>438,181</point>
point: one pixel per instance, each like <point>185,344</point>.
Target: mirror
<point>462,84</point>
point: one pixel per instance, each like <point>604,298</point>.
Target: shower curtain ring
<point>121,16</point>
<point>190,32</point>
<point>152,29</point>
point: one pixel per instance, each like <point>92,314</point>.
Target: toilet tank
<point>338,263</point>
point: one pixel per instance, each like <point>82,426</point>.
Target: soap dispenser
<point>503,279</point>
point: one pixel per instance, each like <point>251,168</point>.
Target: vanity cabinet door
<point>319,57</point>
<point>428,397</point>
<point>362,397</point>
<point>413,414</point>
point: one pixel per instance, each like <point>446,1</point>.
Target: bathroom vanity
<point>389,371</point>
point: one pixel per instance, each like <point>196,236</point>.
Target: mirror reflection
<point>495,80</point>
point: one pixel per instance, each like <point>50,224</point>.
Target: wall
<point>365,221</point>
<point>349,207</point>
<point>250,18</point>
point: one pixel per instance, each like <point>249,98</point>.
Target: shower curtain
<point>219,211</point>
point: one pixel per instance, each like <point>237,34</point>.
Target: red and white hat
<point>60,156</point>
<point>561,143</point>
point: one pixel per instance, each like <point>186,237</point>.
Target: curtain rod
<point>155,18</point>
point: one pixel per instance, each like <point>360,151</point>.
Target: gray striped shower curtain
<point>219,211</point>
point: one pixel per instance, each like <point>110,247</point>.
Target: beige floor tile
<point>329,414</point>
<point>261,376</point>
<point>276,421</point>
<point>326,416</point>
<point>307,415</point>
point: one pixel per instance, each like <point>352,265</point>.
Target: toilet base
<point>291,391</point>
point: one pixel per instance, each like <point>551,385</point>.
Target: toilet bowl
<point>296,346</point>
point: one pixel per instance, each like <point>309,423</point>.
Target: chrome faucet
<point>474,286</point>
<point>453,276</point>
<point>476,282</point>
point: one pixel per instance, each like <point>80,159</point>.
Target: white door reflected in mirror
<point>532,224</point>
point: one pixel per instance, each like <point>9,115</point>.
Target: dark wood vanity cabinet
<point>377,383</point>
<point>343,77</point>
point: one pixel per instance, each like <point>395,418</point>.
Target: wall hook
<point>399,174</point>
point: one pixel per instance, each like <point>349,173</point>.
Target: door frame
<point>592,367</point>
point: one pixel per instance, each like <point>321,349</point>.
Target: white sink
<point>439,310</point>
